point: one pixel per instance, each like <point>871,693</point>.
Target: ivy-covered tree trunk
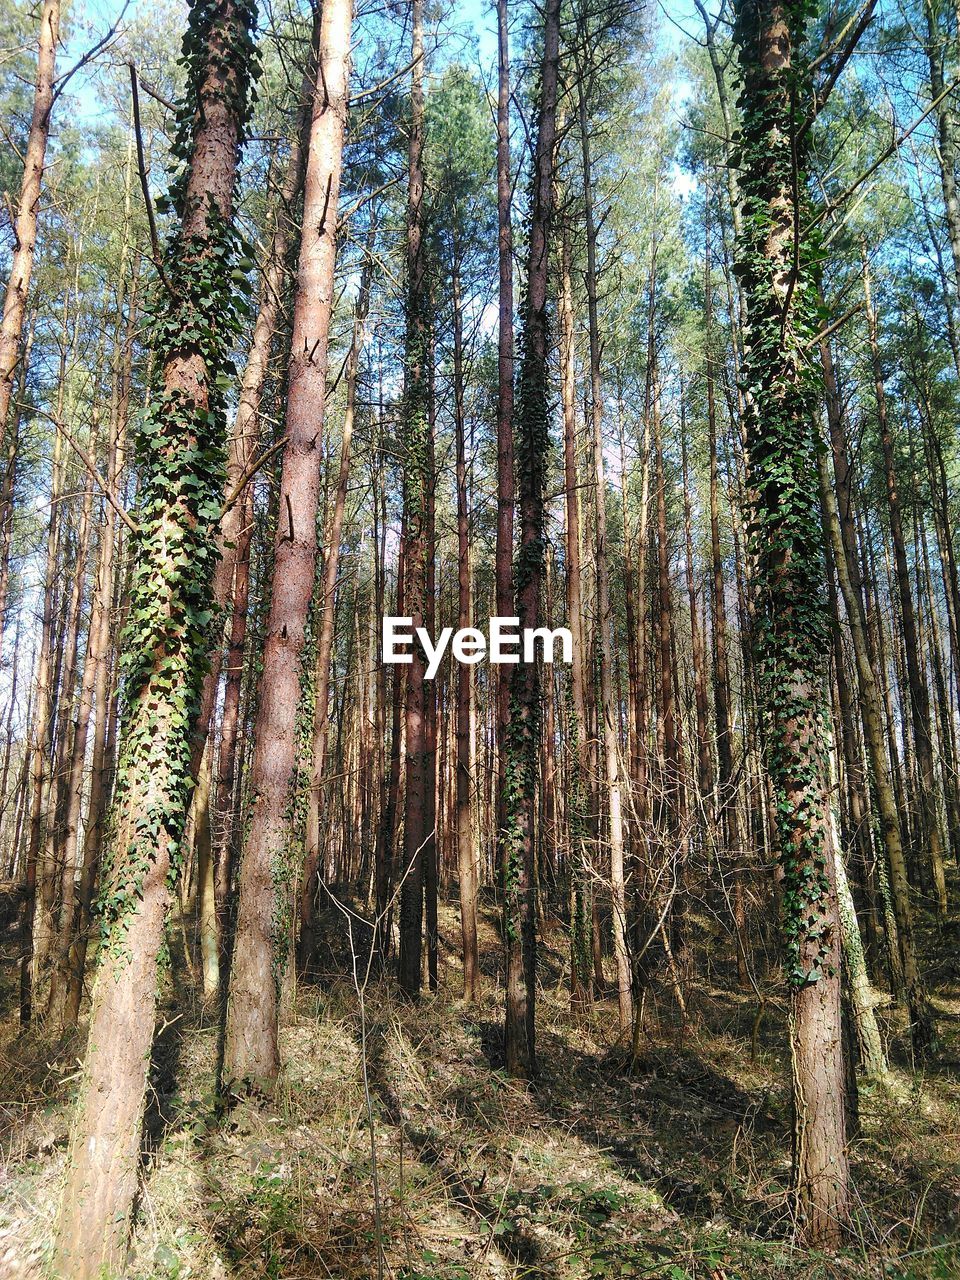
<point>196,316</point>
<point>251,1054</point>
<point>416,500</point>
<point>506,498</point>
<point>531,443</point>
<point>791,634</point>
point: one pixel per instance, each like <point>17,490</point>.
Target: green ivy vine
<point>531,450</point>
<point>777,257</point>
<point>194,318</point>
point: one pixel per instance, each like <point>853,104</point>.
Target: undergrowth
<point>432,1164</point>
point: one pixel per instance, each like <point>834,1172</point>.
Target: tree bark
<point>791,635</point>
<point>611,749</point>
<point>165,649</point>
<point>581,896</point>
<point>929,826</point>
<point>531,443</point>
<point>466,846</point>
<point>37,924</point>
<point>416,500</point>
<point>321,710</point>
<point>28,209</point>
<point>251,1052</point>
<point>726,798</point>
<point>506,493</point>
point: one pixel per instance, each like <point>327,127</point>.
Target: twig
<point>87,57</point>
<point>883,156</point>
<point>142,170</point>
<point>153,92</point>
<point>824,334</point>
<point>91,466</point>
<point>250,472</point>
<point>823,93</point>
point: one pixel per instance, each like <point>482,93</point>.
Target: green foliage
<point>461,142</point>
<point>531,447</point>
<point>197,311</point>
<point>778,256</point>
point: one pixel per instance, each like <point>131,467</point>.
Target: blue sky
<point>475,18</point>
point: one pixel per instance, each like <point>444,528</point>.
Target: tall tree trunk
<point>581,895</point>
<point>791,636</point>
<point>503,564</point>
<point>697,645</point>
<point>58,876</point>
<point>107,587</point>
<point>416,500</point>
<point>531,443</point>
<point>206,895</point>
<point>386,834</point>
<point>321,710</point>
<point>946,139</point>
<point>929,826</point>
<point>166,643</point>
<point>74,903</point>
<point>726,799</point>
<point>28,209</point>
<point>230,580</point>
<point>672,835</point>
<point>430,691</point>
<point>863,1000</point>
<point>251,1053</point>
<point>466,846</point>
<point>8,482</point>
<point>36,925</point>
<point>611,748</point>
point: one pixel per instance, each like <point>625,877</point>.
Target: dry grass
<point>433,1165</point>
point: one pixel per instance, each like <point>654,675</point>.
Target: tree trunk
<point>862,997</point>
<point>166,645</point>
<point>321,710</point>
<point>28,209</point>
<point>726,799</point>
<point>37,923</point>
<point>251,1053</point>
<point>946,139</point>
<point>503,564</point>
<point>929,827</point>
<point>466,848</point>
<point>416,498</point>
<point>206,895</point>
<point>531,443</point>
<point>581,896</point>
<point>231,578</point>
<point>611,749</point>
<point>791,635</point>
<point>8,484</point>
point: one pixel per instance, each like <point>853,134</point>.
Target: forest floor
<point>430,1163</point>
